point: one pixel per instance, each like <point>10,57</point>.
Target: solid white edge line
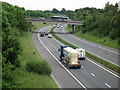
<point>94,53</point>
<point>101,66</point>
<point>93,44</point>
<point>55,81</point>
<point>61,64</point>
<point>108,85</point>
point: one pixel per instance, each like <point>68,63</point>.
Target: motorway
<point>103,52</point>
<point>91,75</point>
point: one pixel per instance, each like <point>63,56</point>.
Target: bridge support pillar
<point>30,26</point>
<point>73,28</point>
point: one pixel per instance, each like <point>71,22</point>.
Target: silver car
<point>49,35</point>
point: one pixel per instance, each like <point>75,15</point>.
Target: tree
<point>63,11</point>
<point>55,10</point>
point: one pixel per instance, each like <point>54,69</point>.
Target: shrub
<point>40,67</point>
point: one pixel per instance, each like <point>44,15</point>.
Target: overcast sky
<point>59,4</point>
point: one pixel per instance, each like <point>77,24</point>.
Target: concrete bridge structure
<point>30,20</point>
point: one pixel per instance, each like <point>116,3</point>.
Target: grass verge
<point>103,40</point>
<point>89,55</point>
<point>36,25</point>
<point>29,53</point>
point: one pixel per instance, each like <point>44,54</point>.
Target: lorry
<point>71,57</point>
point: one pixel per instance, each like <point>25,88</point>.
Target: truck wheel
<point>79,67</point>
<point>61,59</point>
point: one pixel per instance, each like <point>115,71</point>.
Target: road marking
<point>93,74</point>
<point>108,85</point>
<point>103,68</point>
<point>61,64</point>
<point>94,45</point>
<point>100,66</point>
<point>55,81</point>
<point>82,67</point>
<point>91,52</point>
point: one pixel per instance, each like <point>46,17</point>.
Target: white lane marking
<point>82,67</point>
<point>95,54</point>
<point>93,74</point>
<point>58,41</point>
<point>108,85</point>
<point>103,68</point>
<point>93,44</point>
<point>61,64</point>
<point>55,81</point>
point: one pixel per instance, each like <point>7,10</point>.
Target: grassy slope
<point>37,25</point>
<point>29,52</point>
<point>104,41</point>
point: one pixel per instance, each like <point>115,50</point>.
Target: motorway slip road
<point>104,52</point>
<point>91,75</point>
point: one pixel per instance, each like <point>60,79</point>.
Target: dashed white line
<point>93,74</point>
<point>107,85</point>
<point>91,52</point>
<point>82,67</point>
<point>61,64</point>
<point>94,45</point>
<point>101,66</point>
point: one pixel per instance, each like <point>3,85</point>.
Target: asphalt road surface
<point>59,74</point>
<point>104,52</point>
<point>91,75</point>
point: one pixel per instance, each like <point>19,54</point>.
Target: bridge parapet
<point>53,21</point>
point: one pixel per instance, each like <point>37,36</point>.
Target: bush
<point>40,67</point>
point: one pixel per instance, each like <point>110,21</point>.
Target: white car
<point>61,26</point>
<point>49,35</point>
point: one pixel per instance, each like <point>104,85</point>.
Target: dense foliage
<point>100,22</point>
<point>36,14</point>
<point>40,67</point>
<point>13,23</point>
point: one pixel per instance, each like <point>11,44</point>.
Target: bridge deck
<point>52,21</point>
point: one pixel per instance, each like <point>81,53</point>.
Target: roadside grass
<point>103,40</point>
<point>36,25</point>
<point>89,55</point>
<point>29,53</point>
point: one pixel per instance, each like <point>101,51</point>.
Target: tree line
<point>100,22</point>
<point>13,23</point>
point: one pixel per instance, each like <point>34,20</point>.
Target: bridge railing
<point>49,20</point>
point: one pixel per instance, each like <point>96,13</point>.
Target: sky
<point>59,4</point>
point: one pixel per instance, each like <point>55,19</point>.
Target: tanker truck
<point>71,57</point>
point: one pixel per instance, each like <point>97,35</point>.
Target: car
<point>61,26</point>
<point>49,35</point>
<point>42,34</point>
<point>46,33</point>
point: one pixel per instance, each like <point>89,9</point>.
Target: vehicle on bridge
<point>70,57</point>
<point>60,18</point>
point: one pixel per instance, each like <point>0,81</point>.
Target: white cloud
<point>59,4</point>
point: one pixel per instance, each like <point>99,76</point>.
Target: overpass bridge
<point>30,20</point>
